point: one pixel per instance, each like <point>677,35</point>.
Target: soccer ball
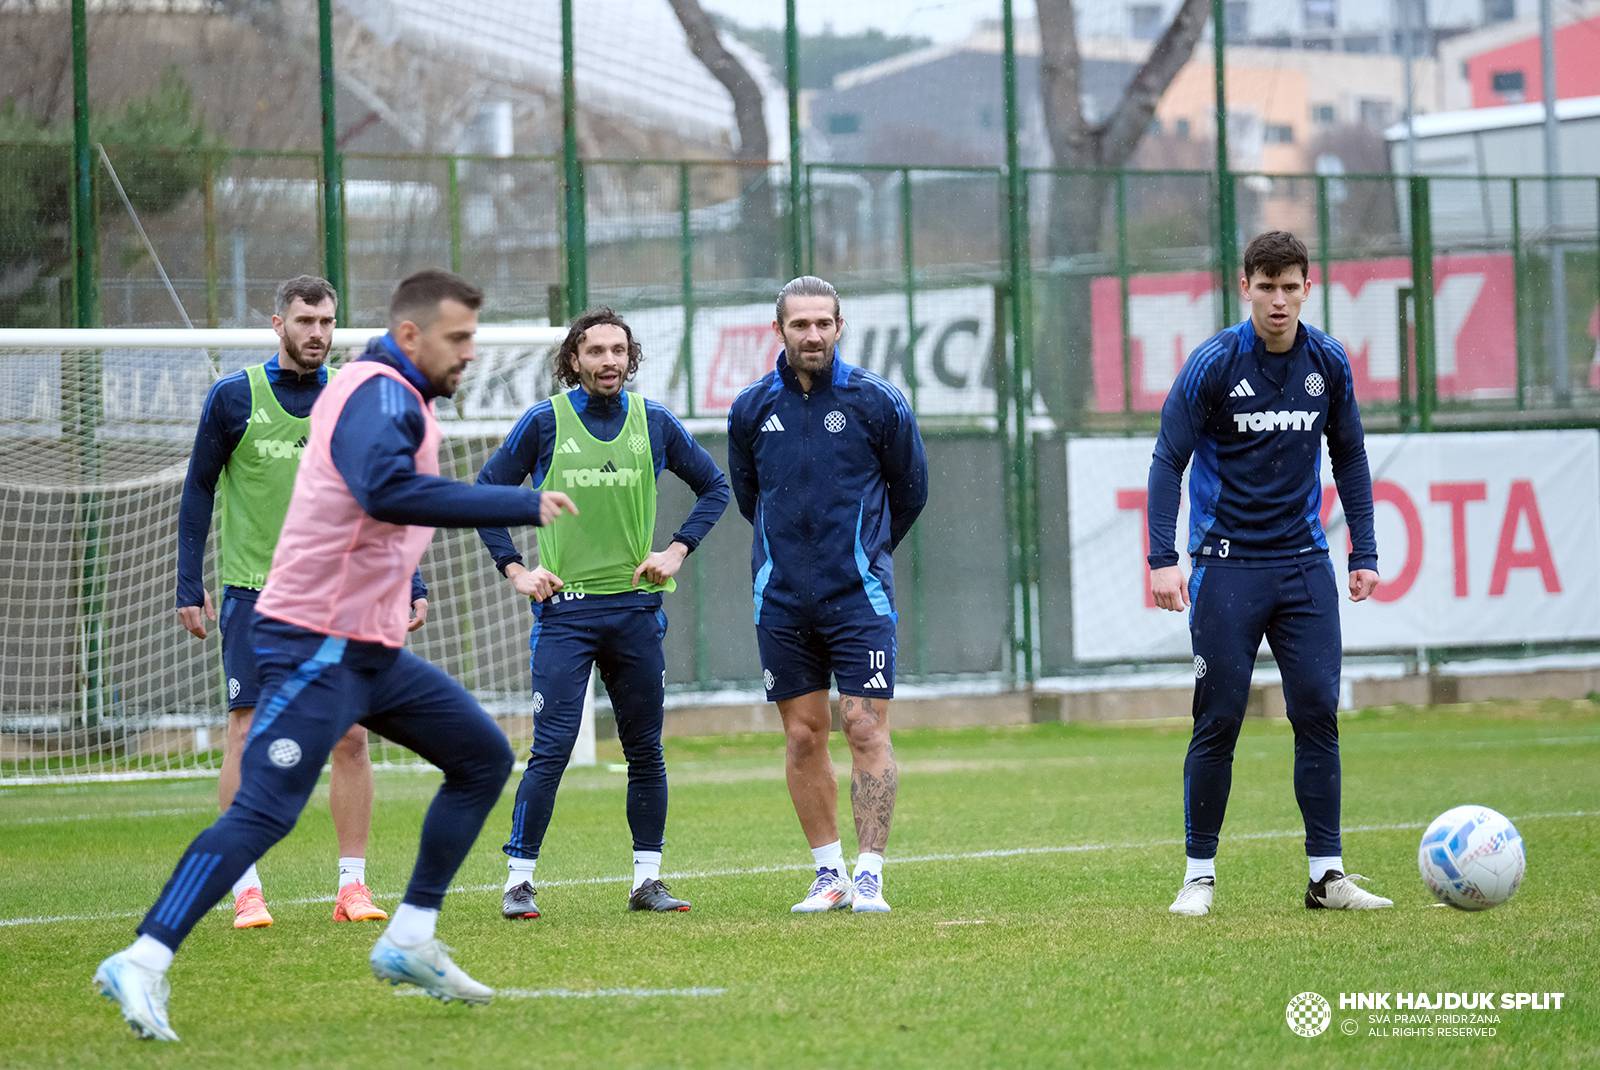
<point>1471,858</point>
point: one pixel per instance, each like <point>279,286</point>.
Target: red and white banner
<point>1170,315</point>
<point>1483,538</point>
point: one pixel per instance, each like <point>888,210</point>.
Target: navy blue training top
<point>528,449</point>
<point>222,424</point>
<point>374,448</point>
<point>832,480</point>
<point>1254,422</point>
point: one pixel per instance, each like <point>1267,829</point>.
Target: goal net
<point>97,677</point>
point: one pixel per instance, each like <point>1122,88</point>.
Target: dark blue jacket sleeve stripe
<point>1347,456</point>
<point>1182,418</point>
<point>689,461</point>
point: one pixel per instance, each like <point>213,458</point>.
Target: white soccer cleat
<point>1335,891</point>
<point>429,967</point>
<point>868,894</point>
<point>830,891</point>
<point>1194,898</point>
<point>140,991</point>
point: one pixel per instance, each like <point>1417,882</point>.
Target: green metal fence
<point>1441,288</point>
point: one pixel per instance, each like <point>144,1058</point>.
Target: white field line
<point>795,867</point>
<point>590,993</point>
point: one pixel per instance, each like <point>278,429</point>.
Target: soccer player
<point>330,633</point>
<point>827,464</point>
<point>597,588</point>
<point>252,430</point>
<point>1252,405</point>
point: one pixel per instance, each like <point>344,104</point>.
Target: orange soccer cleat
<point>354,903</point>
<point>250,910</point>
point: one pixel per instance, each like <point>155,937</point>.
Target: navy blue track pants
<point>1296,607</point>
<point>313,688</point>
<point>626,646</point>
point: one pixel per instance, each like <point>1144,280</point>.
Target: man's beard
<point>296,355</point>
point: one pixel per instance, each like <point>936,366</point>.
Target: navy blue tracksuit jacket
<point>832,480</point>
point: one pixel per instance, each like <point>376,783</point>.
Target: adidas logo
<point>877,681</point>
<point>773,423</point>
<point>609,466</point>
<point>1243,390</point>
<point>261,416</point>
<point>301,444</point>
<point>569,446</point>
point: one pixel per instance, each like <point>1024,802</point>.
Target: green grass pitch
<point>1029,871</point>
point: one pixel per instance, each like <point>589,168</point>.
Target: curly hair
<point>563,371</point>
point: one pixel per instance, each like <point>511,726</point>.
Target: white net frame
<point>97,678</point>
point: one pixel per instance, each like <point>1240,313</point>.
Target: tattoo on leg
<point>872,799</point>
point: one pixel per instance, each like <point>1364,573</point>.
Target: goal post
<point>97,678</point>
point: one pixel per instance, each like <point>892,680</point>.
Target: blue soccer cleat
<point>428,966</point>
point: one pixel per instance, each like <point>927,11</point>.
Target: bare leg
<point>350,793</point>
<point>232,749</point>
<point>874,778</point>
<point>808,766</point>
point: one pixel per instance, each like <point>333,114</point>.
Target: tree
<point>36,187</point>
<point>826,54</point>
<point>1077,209</point>
<point>759,245</point>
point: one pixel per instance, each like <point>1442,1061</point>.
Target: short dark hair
<point>308,288</point>
<point>563,373</point>
<point>419,296</point>
<point>806,286</point>
<point>1275,252</point>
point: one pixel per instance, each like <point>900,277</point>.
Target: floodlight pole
<point>1560,379</point>
<point>332,165</point>
<point>576,244</point>
<point>1227,213</point>
<point>85,277</point>
<point>791,64</point>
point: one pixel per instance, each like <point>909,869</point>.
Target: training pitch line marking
<point>592,993</point>
<point>795,867</point>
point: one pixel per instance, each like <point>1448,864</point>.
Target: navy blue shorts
<point>859,654</point>
<point>238,624</point>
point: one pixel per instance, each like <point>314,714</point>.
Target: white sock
<point>412,925</point>
<point>352,871</point>
<point>251,879</point>
<point>519,870</point>
<point>1199,867</point>
<point>829,856</point>
<point>867,862</point>
<point>1322,863</point>
<point>646,866</point>
<point>150,953</point>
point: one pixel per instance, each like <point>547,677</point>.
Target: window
<point>1499,10</point>
<point>1279,134</point>
<point>1363,43</point>
<point>986,118</point>
<point>1144,21</point>
<point>1374,113</point>
<point>1155,129</point>
<point>1323,114</point>
<point>1508,84</point>
<point>1321,14</point>
<point>844,122</point>
<point>1236,19</point>
<point>1181,129</point>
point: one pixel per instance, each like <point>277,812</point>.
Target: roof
<point>630,60</point>
<point>1472,120</point>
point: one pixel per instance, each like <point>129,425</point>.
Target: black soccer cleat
<point>518,903</point>
<point>653,895</point>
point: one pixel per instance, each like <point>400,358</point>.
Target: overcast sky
<point>942,20</point>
